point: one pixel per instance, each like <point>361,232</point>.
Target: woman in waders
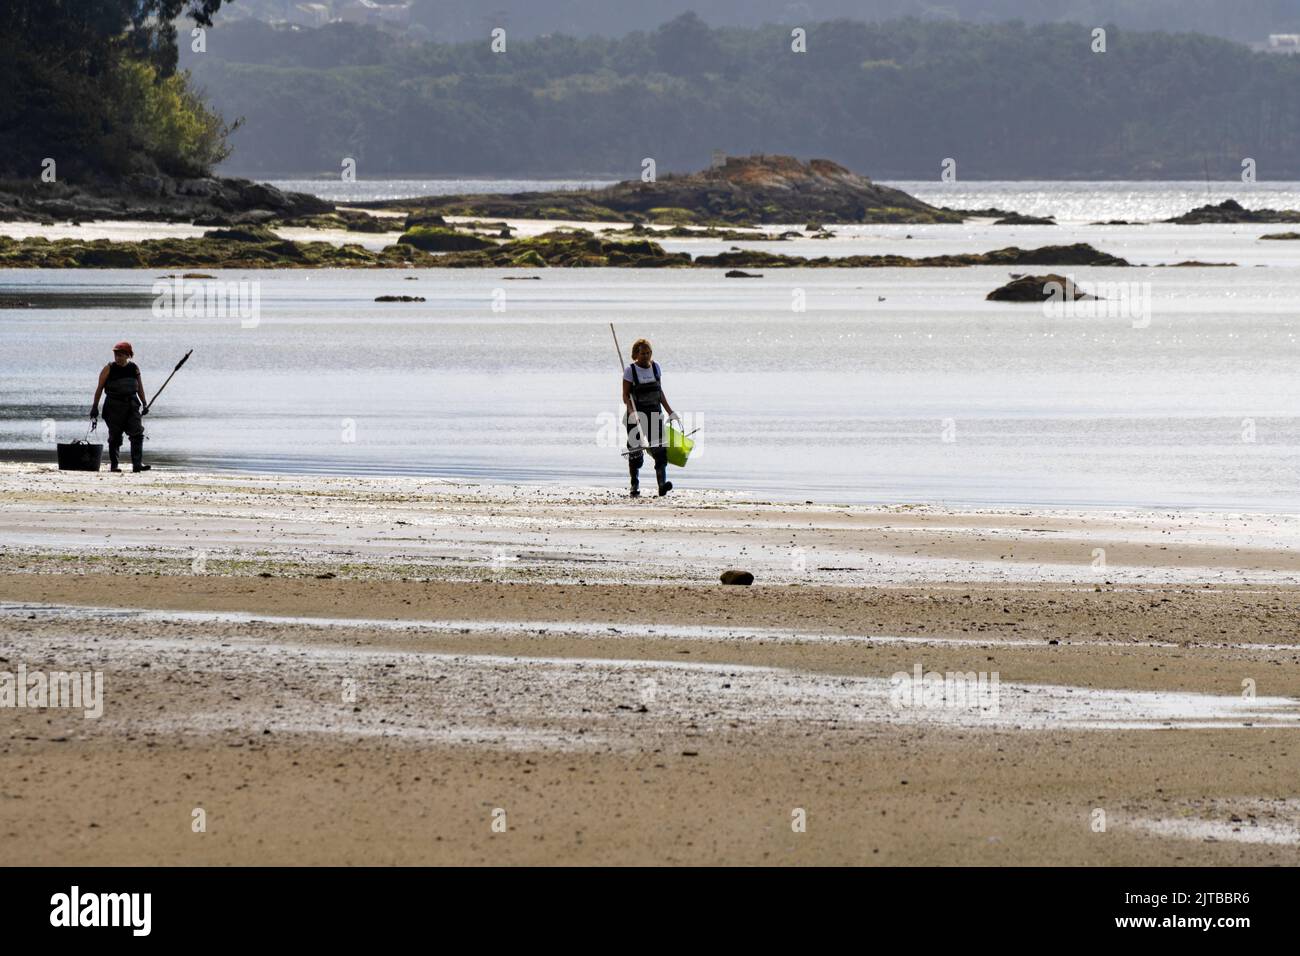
<point>643,393</point>
<point>124,404</point>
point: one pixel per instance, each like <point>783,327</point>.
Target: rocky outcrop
<point>1231,211</point>
<point>745,190</point>
<point>259,248</point>
<point>245,249</point>
<point>705,232</point>
<point>243,234</point>
<point>422,217</point>
<point>348,220</point>
<point>41,253</point>
<point>1282,235</point>
<point>1038,289</point>
<point>209,201</point>
<point>442,239</point>
<point>1078,254</point>
<point>1016,219</point>
<point>569,249</point>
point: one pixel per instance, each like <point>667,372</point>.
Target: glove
<point>674,417</point>
<point>94,412</point>
<point>144,409</point>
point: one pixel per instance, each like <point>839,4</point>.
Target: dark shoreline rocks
<point>1230,211</point>
<point>1078,254</point>
<point>42,253</point>
<point>741,191</point>
<point>702,232</point>
<point>1016,219</point>
<point>348,220</point>
<point>208,201</point>
<point>568,249</point>
<point>243,234</point>
<point>260,248</point>
<point>992,212</point>
<point>442,239</point>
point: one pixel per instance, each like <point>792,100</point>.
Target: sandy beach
<point>402,670</point>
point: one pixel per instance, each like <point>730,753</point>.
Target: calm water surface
<point>891,386</point>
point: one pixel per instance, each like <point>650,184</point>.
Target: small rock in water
<point>737,577</point>
<point>738,274</point>
<point>399,298</point>
<point>1044,288</point>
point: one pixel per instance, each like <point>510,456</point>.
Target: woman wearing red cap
<point>124,404</point>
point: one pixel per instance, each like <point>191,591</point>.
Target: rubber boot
<point>137,453</point>
<point>634,470</point>
<point>661,476</point>
<point>113,448</point>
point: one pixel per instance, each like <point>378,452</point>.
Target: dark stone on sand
<point>737,577</point>
<point>738,274</point>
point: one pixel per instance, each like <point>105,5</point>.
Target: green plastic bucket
<point>679,447</point>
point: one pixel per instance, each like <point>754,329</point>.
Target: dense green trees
<point>890,100</point>
<point>93,85</point>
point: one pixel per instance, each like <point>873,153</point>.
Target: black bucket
<point>79,456</point>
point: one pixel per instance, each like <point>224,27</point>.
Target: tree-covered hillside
<point>890,100</point>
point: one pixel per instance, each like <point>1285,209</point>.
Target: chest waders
<point>648,422</point>
<point>122,415</point>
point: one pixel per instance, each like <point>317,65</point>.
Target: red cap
<point>124,347</point>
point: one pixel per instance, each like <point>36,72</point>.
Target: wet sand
<point>376,670</point>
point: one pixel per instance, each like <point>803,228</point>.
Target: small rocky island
<point>1231,211</point>
<point>740,191</point>
<point>1042,288</point>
